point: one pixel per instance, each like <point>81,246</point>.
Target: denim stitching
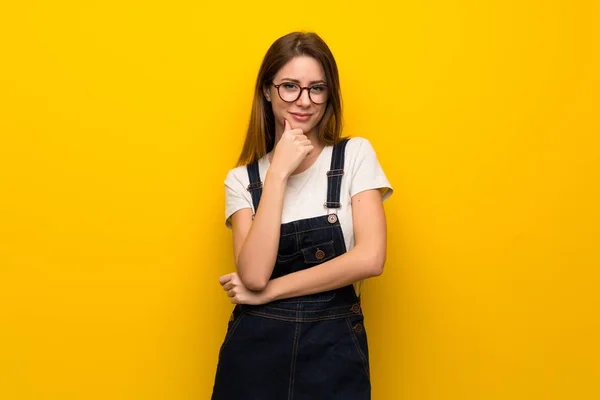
<point>335,172</point>
<point>297,237</point>
<point>288,257</point>
<point>330,178</point>
<point>360,353</point>
<point>310,301</point>
<point>334,180</point>
<point>338,187</point>
<point>334,176</point>
<point>283,258</point>
<point>329,194</point>
<point>255,185</point>
<point>234,326</point>
<point>321,261</point>
<point>307,230</point>
<point>331,309</point>
<point>301,319</point>
<point>293,362</point>
<point>328,243</point>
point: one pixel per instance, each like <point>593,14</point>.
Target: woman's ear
<point>266,93</point>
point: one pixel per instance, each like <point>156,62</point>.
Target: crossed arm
<point>256,243</point>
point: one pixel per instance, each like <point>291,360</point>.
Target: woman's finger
<point>225,278</point>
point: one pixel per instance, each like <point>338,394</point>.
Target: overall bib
<point>310,347</point>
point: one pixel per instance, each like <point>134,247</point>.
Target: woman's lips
<point>301,117</point>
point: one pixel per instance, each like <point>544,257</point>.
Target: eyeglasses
<point>290,92</point>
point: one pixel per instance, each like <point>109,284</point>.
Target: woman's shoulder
<point>356,142</point>
<point>239,174</point>
<point>357,146</point>
<point>365,169</point>
<point>237,179</point>
<point>236,174</point>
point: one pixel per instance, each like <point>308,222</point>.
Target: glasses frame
<point>301,90</point>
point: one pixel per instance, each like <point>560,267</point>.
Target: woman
<point>305,208</point>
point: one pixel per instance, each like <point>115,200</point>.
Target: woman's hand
<point>238,293</point>
<point>291,149</point>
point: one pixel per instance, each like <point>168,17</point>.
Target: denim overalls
<point>311,347</point>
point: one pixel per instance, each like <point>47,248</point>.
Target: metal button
<point>332,218</point>
<point>355,308</point>
<point>320,254</point>
<point>358,328</point>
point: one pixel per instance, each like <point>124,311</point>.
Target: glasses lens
<point>289,91</point>
<point>318,94</point>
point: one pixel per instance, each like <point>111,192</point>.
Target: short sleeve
<point>235,197</point>
<point>367,172</point>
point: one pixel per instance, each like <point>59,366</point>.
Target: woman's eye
<point>317,89</point>
<point>289,86</point>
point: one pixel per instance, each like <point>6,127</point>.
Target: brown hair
<point>260,137</point>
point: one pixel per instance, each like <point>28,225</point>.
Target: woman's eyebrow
<point>298,82</point>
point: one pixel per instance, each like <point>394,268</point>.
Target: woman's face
<point>302,113</point>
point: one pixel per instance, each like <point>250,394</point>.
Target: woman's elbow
<point>256,285</point>
<point>253,281</point>
<point>376,264</point>
<point>250,274</point>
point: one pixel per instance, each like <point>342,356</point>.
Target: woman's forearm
<point>258,254</point>
<point>357,264</point>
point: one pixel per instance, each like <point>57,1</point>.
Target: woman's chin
<point>306,126</point>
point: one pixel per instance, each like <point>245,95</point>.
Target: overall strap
<point>334,175</point>
<point>255,186</point>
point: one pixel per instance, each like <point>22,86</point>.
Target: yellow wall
<point>118,123</point>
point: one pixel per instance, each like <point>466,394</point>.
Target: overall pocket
<point>234,321</point>
<point>318,253</point>
<point>315,255</point>
<point>356,329</point>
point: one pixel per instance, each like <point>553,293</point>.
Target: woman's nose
<point>304,99</point>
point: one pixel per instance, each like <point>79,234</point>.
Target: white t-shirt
<point>306,192</point>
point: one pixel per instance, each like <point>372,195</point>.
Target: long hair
<point>260,137</point>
